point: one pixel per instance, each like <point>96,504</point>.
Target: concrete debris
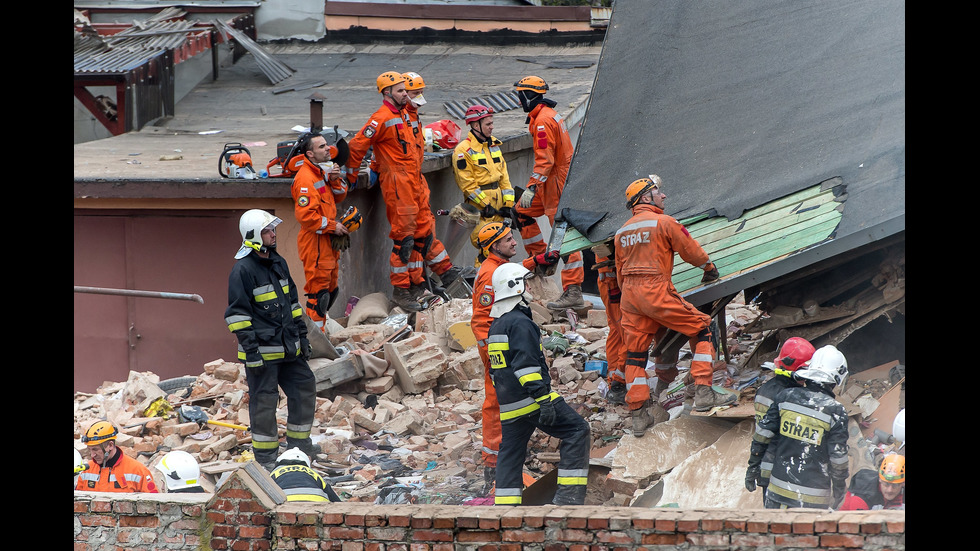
<point>398,417</point>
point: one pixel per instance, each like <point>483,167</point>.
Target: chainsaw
<point>236,162</point>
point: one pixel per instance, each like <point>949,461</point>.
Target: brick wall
<point>248,513</point>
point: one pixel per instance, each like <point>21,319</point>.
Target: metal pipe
<point>133,293</point>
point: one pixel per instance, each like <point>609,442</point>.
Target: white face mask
<point>418,101</point>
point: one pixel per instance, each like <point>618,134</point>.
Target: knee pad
<point>403,248</point>
<point>524,220</point>
<point>704,335</point>
<point>422,245</point>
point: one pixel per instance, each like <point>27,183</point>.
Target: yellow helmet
<point>892,468</point>
<point>413,81</point>
<point>489,234</point>
<point>99,432</point>
<point>532,83</point>
<point>389,78</point>
<point>636,190</point>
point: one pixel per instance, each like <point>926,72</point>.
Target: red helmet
<point>794,354</point>
<point>478,112</point>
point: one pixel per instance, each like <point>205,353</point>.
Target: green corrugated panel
<point>759,236</point>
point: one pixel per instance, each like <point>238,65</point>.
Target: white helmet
<point>827,366</point>
<point>250,226</point>
<point>79,466</point>
<point>294,454</point>
<point>898,426</point>
<point>509,288</point>
<point>180,470</point>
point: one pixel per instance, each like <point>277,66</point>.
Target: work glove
<point>351,179</point>
<point>547,415</point>
<point>306,349</point>
<point>489,212</point>
<point>549,258</point>
<point>340,242</point>
<point>373,179</point>
<point>405,249</point>
<point>506,212</point>
<point>753,478</point>
<point>710,273</point>
<point>527,197</point>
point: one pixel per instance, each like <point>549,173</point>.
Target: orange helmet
<point>99,432</point>
<point>478,112</point>
<point>892,468</point>
<point>795,352</point>
<point>636,190</point>
<point>413,81</point>
<point>351,219</point>
<point>491,233</point>
<point>532,83</point>
<point>389,78</point>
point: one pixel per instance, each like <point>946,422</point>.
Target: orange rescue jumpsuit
<point>315,196</point>
<point>436,257</point>
<point>480,324</point>
<point>645,248</point>
<point>405,191</point>
<point>610,294</point>
<point>552,157</point>
<point>124,475</point>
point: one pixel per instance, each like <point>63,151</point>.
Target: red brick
<point>444,547</point>
<point>124,507</point>
<point>354,520</point>
<point>296,532</point>
<point>533,521</point>
<point>665,525</point>
<point>757,526</point>
<point>575,535</point>
<point>662,539</point>
<point>333,518</point>
<point>432,535</point>
<point>871,528</point>
<point>848,527</point>
<point>780,527</point>
<point>374,519</point>
<point>286,517</point>
<point>523,536</point>
<point>236,493</point>
<point>603,536</point>
<point>418,522</point>
<point>477,536</point>
<point>393,547</point>
<point>823,526</point>
<point>688,525</point>
<point>215,517</point>
<point>841,540</point>
<point>217,543</point>
<point>96,520</point>
<point>418,547</point>
<point>643,523</point>
<point>489,524</point>
<point>735,525</point>
<point>144,522</point>
<point>895,526</point>
<point>808,540</point>
<point>352,546</point>
<point>803,527</point>
<point>343,533</point>
<point>81,506</point>
<point>223,505</point>
<point>223,531</point>
<point>251,507</point>
<point>100,506</point>
<point>598,523</point>
<point>712,524</point>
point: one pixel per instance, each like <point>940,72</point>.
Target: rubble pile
<point>398,416</point>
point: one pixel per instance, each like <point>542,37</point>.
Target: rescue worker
<point>808,428</point>
<point>181,473</point>
<point>552,157</point>
<point>109,469</point>
<point>316,195</point>
<point>523,386</point>
<point>794,354</point>
<point>265,315</point>
<point>298,480</point>
<point>497,246</point>
<point>644,249</point>
<point>399,147</point>
<point>881,489</point>
<point>481,173</point>
<point>609,293</point>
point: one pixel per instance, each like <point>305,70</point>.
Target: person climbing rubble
<point>795,353</point>
<point>644,249</point>
<point>527,402</point>
<point>497,247</point>
<point>808,428</point>
<point>882,489</point>
<point>610,294</point>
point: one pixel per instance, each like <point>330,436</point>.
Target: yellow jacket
<point>481,173</point>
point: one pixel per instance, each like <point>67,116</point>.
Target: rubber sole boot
<point>451,275</point>
<point>659,389</point>
<point>616,393</point>
<point>706,398</point>
<point>642,419</point>
<point>570,495</point>
<point>405,299</point>
<point>571,298</point>
<point>489,479</point>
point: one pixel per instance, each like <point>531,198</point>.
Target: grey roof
<point>735,104</point>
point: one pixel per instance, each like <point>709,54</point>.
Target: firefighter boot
<point>659,389</point>
<point>404,299</point>
<point>616,393</point>
<point>706,398</point>
<point>421,294</point>
<point>571,298</point>
<point>649,414</point>
<point>570,495</point>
